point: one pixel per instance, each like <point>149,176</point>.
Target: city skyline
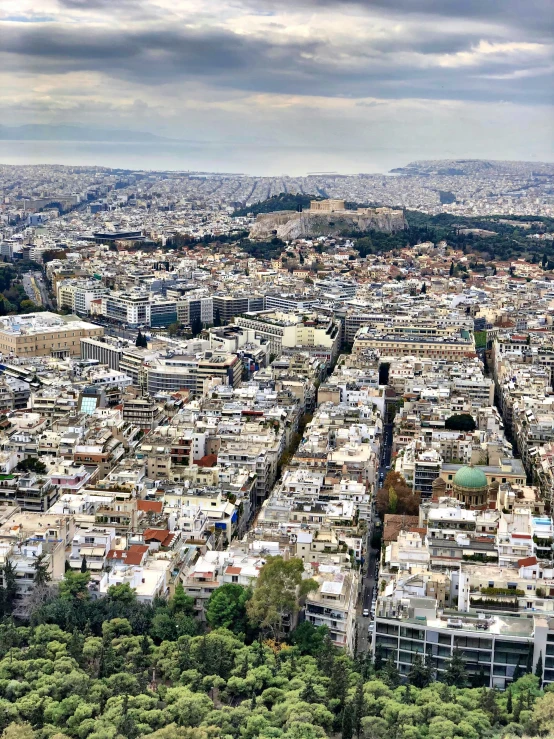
<point>313,86</point>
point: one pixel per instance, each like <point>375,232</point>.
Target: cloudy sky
<point>303,84</point>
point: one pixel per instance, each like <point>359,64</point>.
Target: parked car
<point>365,612</point>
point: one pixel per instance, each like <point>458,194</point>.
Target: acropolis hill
<point>326,217</point>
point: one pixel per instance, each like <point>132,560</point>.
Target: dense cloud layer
<point>180,56</point>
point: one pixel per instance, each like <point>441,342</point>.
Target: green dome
<point>470,478</point>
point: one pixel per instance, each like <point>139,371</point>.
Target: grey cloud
<point>162,54</point>
<point>532,16</point>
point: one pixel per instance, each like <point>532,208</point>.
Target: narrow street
<point>368,580</point>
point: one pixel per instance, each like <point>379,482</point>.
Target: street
<point>368,580</point>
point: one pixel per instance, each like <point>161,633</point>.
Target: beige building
<point>392,345</point>
<point>44,334</point>
<point>327,205</point>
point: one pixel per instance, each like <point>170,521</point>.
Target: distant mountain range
<point>46,132</point>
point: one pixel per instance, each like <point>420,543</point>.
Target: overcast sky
<point>333,80</point>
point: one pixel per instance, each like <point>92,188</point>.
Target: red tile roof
<point>232,571</point>
<point>210,460</point>
<point>132,556</point>
<point>156,534</point>
<point>527,562</point>
<point>148,506</point>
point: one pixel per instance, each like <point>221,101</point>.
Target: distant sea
<point>175,155</point>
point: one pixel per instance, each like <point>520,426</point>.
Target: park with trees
<point>116,668</point>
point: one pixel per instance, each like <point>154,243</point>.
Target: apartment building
<point>334,604</point>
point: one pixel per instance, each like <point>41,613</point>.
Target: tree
<point>141,340</point>
<point>347,723</point>
<point>196,326</point>
<point>173,328</point>
<point>424,288</point>
<point>18,731</point>
<point>308,638</point>
<point>419,674</point>
<point>543,715</point>
<point>396,496</point>
<point>509,700</point>
<point>122,593</point>
<point>181,602</point>
<point>226,608</point>
<point>74,586</point>
<point>9,591</point>
<point>338,684</point>
<point>539,669</point>
<point>451,269</point>
<point>327,655</point>
<point>456,672</point>
<point>41,568</point>
<point>460,422</point>
<point>378,664</point>
<point>390,674</point>
<point>84,565</point>
<point>276,598</point>
<point>359,708</point>
<point>31,464</point>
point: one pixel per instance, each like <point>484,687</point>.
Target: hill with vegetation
<point>283,201</point>
<point>501,237</point>
<point>115,668</point>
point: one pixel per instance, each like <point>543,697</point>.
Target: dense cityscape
<point>277,454</point>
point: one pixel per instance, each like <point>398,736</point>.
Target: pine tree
<point>338,684</point>
<point>390,674</point>
<point>10,587</point>
<point>456,672</point>
<point>84,565</point>
<point>138,342</point>
<point>326,657</point>
<point>127,726</point>
<point>430,667</point>
<point>539,669</point>
<point>359,708</point>
<point>347,723</point>
<point>518,708</point>
<point>451,269</point>
<point>529,664</point>
<point>509,700</point>
<point>424,289</point>
<point>518,672</point>
<point>378,664</point>
<point>407,695</point>
<point>419,676</point>
<point>41,576</point>
<point>308,693</point>
<point>488,703</point>
<point>75,645</point>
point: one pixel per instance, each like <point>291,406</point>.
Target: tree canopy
<point>460,422</point>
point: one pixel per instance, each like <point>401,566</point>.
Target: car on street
<point>365,612</point>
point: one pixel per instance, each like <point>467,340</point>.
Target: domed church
<point>470,486</point>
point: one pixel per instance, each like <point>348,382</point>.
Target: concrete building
<point>44,334</point>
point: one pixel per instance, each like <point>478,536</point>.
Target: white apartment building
<point>334,604</point>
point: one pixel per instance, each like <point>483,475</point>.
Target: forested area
<point>115,668</point>
<point>283,201</point>
<point>13,298</point>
